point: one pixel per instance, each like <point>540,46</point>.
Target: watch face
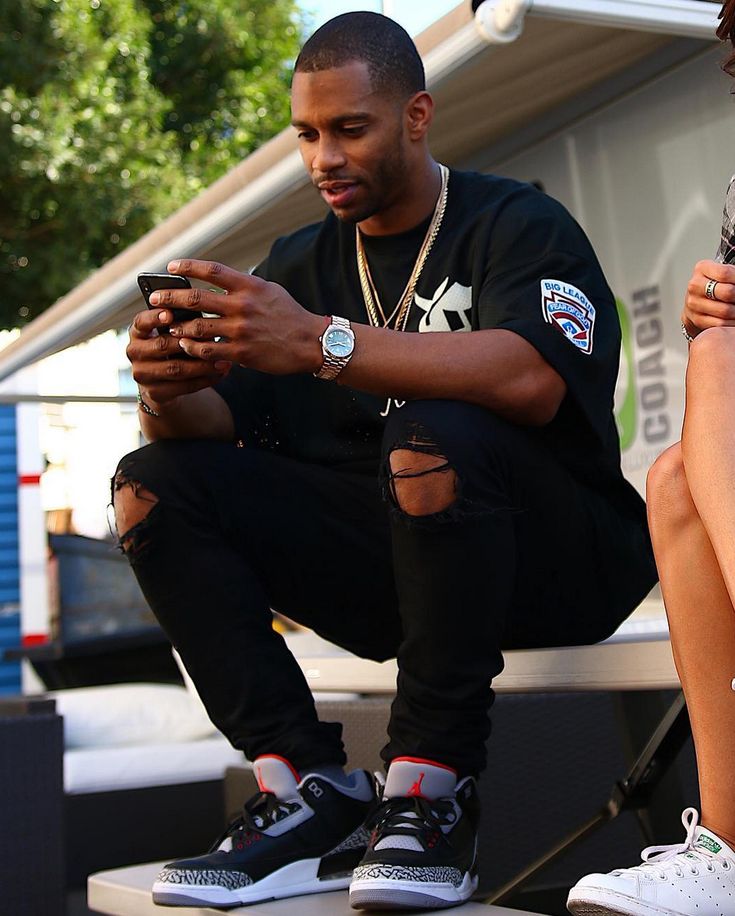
<point>339,342</point>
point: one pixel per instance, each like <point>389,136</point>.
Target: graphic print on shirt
<point>449,309</point>
<point>570,311</point>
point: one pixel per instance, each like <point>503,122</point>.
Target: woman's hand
<point>716,310</point>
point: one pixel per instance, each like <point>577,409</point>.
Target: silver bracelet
<point>146,408</point>
<point>687,336</point>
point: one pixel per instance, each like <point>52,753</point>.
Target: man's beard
<point>386,182</point>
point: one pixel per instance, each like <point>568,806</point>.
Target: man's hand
<point>258,324</point>
<point>158,365</point>
<point>701,312</point>
<point>261,326</point>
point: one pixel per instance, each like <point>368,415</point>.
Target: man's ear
<point>419,114</point>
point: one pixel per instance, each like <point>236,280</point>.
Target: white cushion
<point>121,714</point>
<point>105,769</point>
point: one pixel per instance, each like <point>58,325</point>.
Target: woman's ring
<point>709,289</point>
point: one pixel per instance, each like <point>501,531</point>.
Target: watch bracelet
<point>330,369</point>
<point>333,365</point>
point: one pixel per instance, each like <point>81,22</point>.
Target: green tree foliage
<point>115,112</point>
<point>224,68</point>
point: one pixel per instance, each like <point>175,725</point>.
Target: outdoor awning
<point>553,52</point>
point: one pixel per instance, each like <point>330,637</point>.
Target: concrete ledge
<point>126,892</point>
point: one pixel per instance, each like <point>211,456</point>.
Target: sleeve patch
<point>568,310</point>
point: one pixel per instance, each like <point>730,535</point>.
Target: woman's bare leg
<point>693,529</point>
<point>708,441</point>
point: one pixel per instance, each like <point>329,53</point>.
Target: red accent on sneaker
<point>261,785</point>
<point>424,760</point>
<point>415,790</point>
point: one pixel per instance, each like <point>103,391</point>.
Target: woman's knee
<point>713,344</point>
<point>667,491</point>
<point>711,357</point>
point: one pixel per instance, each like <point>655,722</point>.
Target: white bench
<point>644,665</point>
<point>637,657</point>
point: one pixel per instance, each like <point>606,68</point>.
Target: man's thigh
<point>584,559</point>
<point>317,538</point>
<point>324,549</point>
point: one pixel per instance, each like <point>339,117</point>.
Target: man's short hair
<point>392,60</point>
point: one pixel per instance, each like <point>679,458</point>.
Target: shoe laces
<point>259,813</point>
<point>680,857</point>
<point>424,819</point>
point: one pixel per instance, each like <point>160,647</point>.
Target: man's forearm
<point>201,415</point>
<point>497,369</point>
<point>266,329</point>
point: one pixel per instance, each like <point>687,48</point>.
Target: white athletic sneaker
<point>693,878</point>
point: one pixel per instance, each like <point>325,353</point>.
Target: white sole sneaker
<point>290,881</point>
<point>388,894</point>
<point>693,878</point>
<point>593,902</point>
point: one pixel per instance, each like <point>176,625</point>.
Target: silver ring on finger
<point>709,289</point>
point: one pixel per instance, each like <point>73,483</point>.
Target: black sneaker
<point>423,847</point>
<point>293,837</point>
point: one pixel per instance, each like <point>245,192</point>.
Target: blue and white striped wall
<point>9,564</point>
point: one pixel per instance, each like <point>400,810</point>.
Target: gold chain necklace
<point>399,315</point>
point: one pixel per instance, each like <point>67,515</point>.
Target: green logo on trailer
<point>626,412</point>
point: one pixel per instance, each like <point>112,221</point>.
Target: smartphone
<point>149,283</point>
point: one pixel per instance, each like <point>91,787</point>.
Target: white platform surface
<point>637,657</point>
<point>126,892</point>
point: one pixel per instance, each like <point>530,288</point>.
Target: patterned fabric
<point>726,251</point>
<point>357,840</point>
<point>432,874</point>
<point>199,877</point>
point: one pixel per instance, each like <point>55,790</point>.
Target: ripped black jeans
<point>525,556</point>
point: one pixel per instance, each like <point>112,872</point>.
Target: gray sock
<point>333,772</point>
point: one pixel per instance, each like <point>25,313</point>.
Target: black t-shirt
<point>507,256</point>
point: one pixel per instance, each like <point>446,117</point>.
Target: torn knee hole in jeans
<point>423,444</point>
<point>133,540</point>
